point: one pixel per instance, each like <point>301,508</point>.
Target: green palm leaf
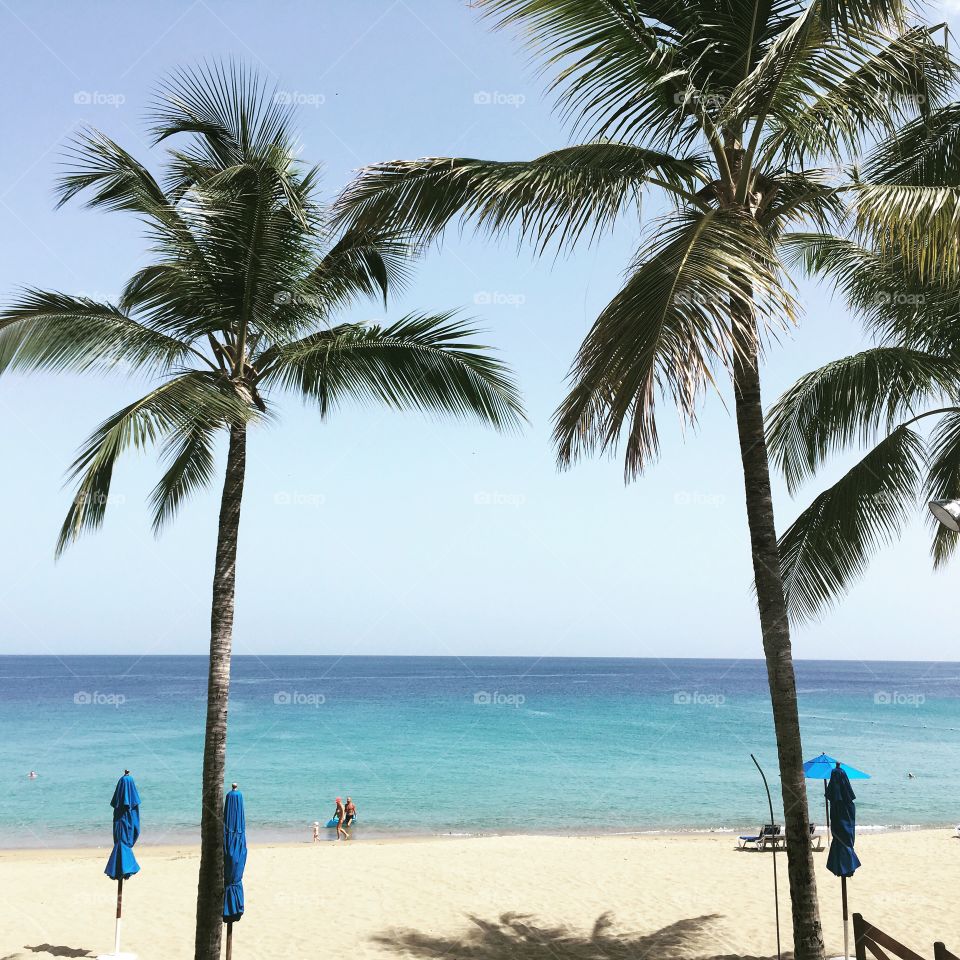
<point>55,331</point>
<point>556,197</point>
<point>849,401</point>
<point>420,362</point>
<point>829,545</point>
<point>943,481</point>
<point>175,405</point>
<point>663,333</point>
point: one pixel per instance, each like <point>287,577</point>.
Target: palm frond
<point>830,544</point>
<point>854,88</point>
<point>920,224</point>
<point>849,401</point>
<point>664,331</point>
<point>234,116</point>
<point>924,152</point>
<point>559,196</point>
<point>115,179</point>
<point>189,453</point>
<point>943,481</point>
<point>175,405</point>
<point>421,362</point>
<point>361,263</point>
<point>48,330</point>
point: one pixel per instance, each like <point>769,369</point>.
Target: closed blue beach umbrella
<point>126,829</point>
<point>234,860</point>
<point>842,859</point>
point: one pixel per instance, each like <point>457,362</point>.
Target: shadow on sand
<point>58,951</point>
<point>517,936</point>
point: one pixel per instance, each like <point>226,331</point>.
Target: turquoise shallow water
<point>436,745</point>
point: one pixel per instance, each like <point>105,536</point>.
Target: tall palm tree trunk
<point>807,932</point>
<point>210,887</point>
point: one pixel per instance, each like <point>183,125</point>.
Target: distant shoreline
<point>295,837</point>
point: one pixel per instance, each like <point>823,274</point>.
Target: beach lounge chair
<point>769,833</point>
<point>816,841</point>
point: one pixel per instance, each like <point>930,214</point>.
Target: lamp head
<point>947,512</point>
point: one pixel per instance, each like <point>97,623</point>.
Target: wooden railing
<point>940,952</point>
<point>881,945</point>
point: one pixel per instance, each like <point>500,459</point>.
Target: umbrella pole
<point>116,932</point>
<point>773,854</point>
<point>846,932</point>
<point>230,940</point>
<point>826,808</point>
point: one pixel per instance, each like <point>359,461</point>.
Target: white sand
<point>523,898</point>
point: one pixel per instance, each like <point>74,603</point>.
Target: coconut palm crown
<point>238,305</point>
<point>741,118</point>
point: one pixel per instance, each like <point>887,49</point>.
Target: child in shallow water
<point>316,831</point>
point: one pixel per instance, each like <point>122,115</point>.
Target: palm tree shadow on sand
<point>516,936</point>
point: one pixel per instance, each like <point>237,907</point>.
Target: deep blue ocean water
<point>435,745</point>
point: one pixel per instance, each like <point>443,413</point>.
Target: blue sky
<point>381,532</point>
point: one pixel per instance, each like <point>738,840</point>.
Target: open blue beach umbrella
<point>822,767</point>
<point>842,859</point>
<point>126,829</point>
<point>234,860</point>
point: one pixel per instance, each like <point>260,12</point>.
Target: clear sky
<point>381,532</point>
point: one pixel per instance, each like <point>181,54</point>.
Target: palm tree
<point>741,116</point>
<point>238,304</point>
<point>900,397</point>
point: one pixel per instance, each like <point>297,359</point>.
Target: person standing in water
<point>349,813</point>
<point>316,831</point>
<point>338,815</point>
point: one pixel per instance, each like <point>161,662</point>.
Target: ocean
<point>463,745</point>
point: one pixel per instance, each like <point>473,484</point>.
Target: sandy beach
<point>494,898</point>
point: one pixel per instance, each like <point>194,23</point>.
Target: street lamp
<point>947,512</point>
